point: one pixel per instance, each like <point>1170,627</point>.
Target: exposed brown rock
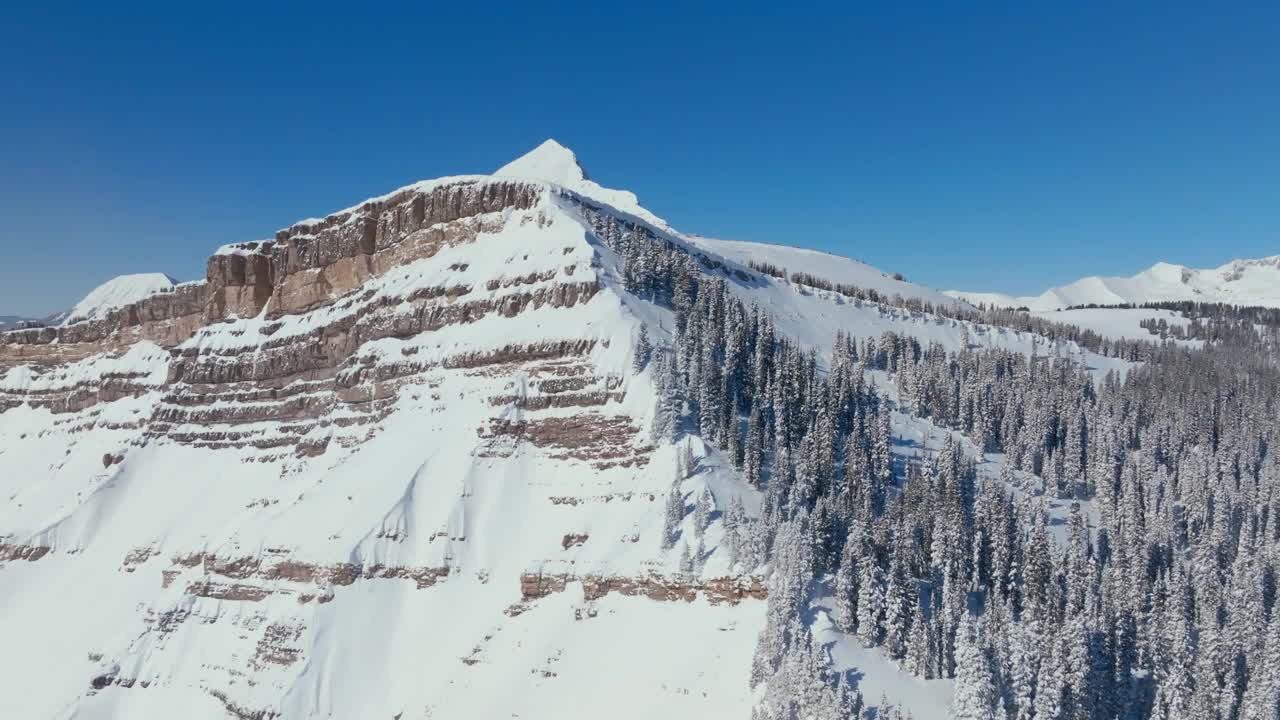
<point>30,553</point>
<point>730,590</point>
<point>422,577</point>
<point>228,591</point>
<point>136,557</point>
<point>305,266</point>
<point>603,440</point>
<point>257,579</point>
<point>275,647</point>
<point>239,711</point>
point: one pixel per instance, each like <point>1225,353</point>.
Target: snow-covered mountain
<point>1239,282</point>
<point>398,462</point>
<point>117,293</point>
<point>9,321</point>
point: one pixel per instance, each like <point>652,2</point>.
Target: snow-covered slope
<point>396,462</point>
<point>1239,282</point>
<point>836,268</point>
<point>117,293</point>
<point>459,520</point>
<point>1119,323</point>
<point>555,163</point>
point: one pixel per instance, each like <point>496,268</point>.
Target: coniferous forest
<point>1154,596</point>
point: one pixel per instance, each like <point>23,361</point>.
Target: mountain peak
<point>118,292</point>
<point>1167,272</point>
<point>550,161</point>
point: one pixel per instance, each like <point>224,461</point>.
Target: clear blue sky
<point>1010,146</point>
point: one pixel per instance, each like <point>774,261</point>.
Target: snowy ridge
<point>810,315</point>
<point>117,293</point>
<point>555,163</point>
<point>836,268</point>
<point>1239,282</point>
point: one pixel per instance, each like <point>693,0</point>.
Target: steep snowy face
<point>550,161</point>
<point>1239,282</point>
<point>117,293</point>
<point>395,461</point>
<point>554,163</point>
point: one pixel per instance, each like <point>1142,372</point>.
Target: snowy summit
<point>554,163</point>
<point>550,161</point>
<point>117,293</point>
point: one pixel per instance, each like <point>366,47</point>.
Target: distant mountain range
<point>110,295</point>
<point>1239,282</point>
<point>9,322</point>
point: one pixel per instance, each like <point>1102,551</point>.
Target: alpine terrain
<point>510,445</point>
<point>1239,282</point>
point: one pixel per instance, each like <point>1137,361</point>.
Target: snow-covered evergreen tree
<point>643,349</point>
<point>673,515</point>
<point>702,510</point>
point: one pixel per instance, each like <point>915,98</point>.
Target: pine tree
<point>753,452</point>
<point>975,686</point>
<point>1050,686</point>
<point>673,515</point>
<point>870,602</point>
<point>1262,698</point>
<point>1024,664</point>
<point>667,406</point>
<point>898,603</point>
<point>846,591</point>
<point>702,512</point>
<point>687,460</point>
<point>643,349</point>
<point>920,652</point>
<point>686,560</point>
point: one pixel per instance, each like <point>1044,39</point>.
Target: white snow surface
<point>144,361</point>
<point>836,268</point>
<point>117,293</point>
<point>555,163</point>
<point>1119,323</point>
<point>1239,282</point>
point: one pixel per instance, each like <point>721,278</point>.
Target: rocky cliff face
<point>307,265</point>
<point>392,463</point>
